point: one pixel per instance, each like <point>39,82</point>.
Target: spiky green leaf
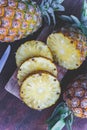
<point>50,6</point>
<point>69,122</point>
<point>66,18</point>
<point>50,1</point>
<point>84,29</point>
<point>47,17</point>
<point>60,1</point>
<point>59,125</point>
<point>60,109</point>
<point>51,12</point>
<point>59,8</point>
<point>84,13</point>
<point>61,112</point>
<point>76,20</point>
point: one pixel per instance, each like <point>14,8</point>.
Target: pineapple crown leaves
<point>60,117</point>
<point>48,8</point>
<point>79,23</point>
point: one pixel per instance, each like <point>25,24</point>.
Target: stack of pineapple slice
<point>37,75</point>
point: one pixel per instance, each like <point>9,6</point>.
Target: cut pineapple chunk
<point>31,49</point>
<point>40,90</point>
<point>64,52</point>
<point>35,64</point>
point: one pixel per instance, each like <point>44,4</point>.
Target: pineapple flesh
<point>68,51</point>
<point>18,19</point>
<point>40,90</point>
<point>31,49</point>
<point>76,96</point>
<point>33,65</point>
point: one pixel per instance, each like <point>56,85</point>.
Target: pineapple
<point>75,104</point>
<point>40,90</point>
<point>68,52</point>
<point>76,96</point>
<point>69,45</point>
<point>20,18</point>
<point>33,65</point>
<point>30,49</point>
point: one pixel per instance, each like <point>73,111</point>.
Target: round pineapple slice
<point>35,64</point>
<point>65,51</point>
<point>40,90</point>
<point>31,49</point>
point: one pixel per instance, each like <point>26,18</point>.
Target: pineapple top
<point>81,23</point>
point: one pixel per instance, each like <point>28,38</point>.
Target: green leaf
<point>60,117</point>
<point>50,1</point>
<point>59,125</point>
<point>84,13</point>
<point>60,8</point>
<point>60,1</point>
<point>48,7</point>
<point>46,15</point>
<point>42,3</point>
<point>76,20</point>
<point>51,12</point>
<point>66,18</point>
<point>58,110</point>
<point>84,29</point>
<point>69,122</point>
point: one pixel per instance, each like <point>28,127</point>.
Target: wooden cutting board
<point>13,88</point>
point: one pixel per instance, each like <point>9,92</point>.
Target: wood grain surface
<point>14,114</point>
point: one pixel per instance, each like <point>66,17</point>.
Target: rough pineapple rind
<point>75,96</point>
<point>31,49</point>
<point>40,91</point>
<point>18,19</point>
<point>64,52</point>
<point>33,65</point>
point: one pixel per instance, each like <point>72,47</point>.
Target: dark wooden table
<point>14,114</point>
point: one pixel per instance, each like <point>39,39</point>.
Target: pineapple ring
<point>40,90</point>
<point>31,49</point>
<point>65,53</point>
<point>33,65</point>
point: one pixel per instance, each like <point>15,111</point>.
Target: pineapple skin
<point>75,96</point>
<point>75,34</point>
<point>40,91</point>
<point>68,48</point>
<point>18,19</point>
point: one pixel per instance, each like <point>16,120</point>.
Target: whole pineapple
<point>75,104</point>
<point>69,45</point>
<point>23,17</point>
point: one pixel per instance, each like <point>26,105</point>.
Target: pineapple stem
<point>61,116</point>
<point>48,8</point>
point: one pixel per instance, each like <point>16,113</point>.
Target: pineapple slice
<point>35,64</point>
<point>31,49</point>
<point>40,90</point>
<point>65,51</point>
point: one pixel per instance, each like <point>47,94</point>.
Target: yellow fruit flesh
<point>31,49</point>
<point>40,91</point>
<point>63,51</point>
<point>33,65</point>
